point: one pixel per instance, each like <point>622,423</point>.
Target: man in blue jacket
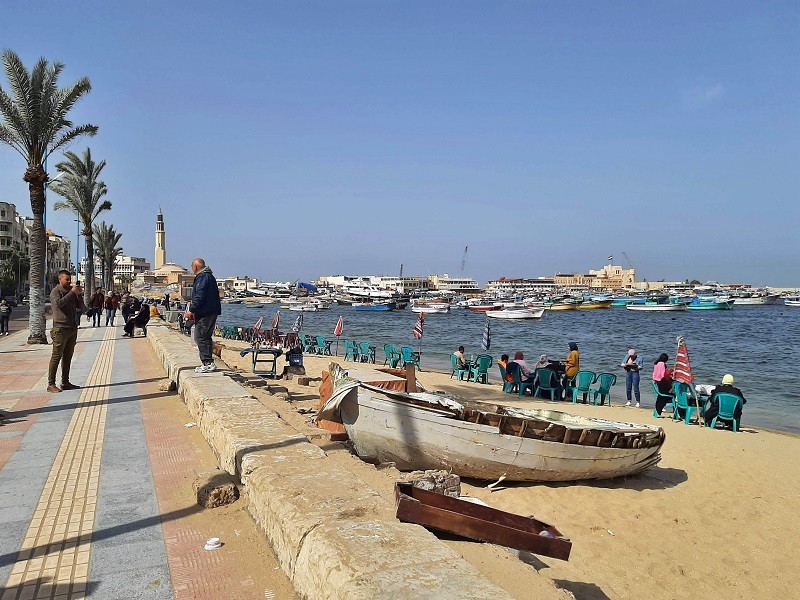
<point>204,309</point>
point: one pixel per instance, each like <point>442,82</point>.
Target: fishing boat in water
<point>304,307</point>
<point>594,304</point>
<point>793,301</point>
<point>712,303</point>
<point>659,304</point>
<point>755,298</point>
<point>430,308</point>
<point>421,430</point>
<point>485,307</point>
<point>516,313</point>
<point>563,304</point>
<point>374,306</point>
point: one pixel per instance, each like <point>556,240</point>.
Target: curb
<point>334,536</point>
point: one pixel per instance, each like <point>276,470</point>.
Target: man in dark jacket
<point>204,309</point>
<point>67,302</point>
<point>727,387</point>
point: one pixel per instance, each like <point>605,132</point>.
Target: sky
<point>288,140</point>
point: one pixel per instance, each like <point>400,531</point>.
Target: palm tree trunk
<point>88,291</point>
<point>36,178</point>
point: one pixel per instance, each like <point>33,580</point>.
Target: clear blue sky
<point>292,139</point>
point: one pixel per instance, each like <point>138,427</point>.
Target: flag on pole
<point>298,323</point>
<point>683,369</point>
<point>487,336</point>
<point>610,258</point>
<point>339,329</point>
<point>418,327</point>
<point>275,321</point>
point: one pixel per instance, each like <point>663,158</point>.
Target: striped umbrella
<point>487,336</point>
<point>419,325</point>
<point>275,321</point>
<point>298,323</point>
<point>259,323</point>
<point>683,369</point>
<point>339,329</point>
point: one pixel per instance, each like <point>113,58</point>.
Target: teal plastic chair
<point>367,352</point>
<point>509,387</point>
<point>480,372</point>
<point>607,381</point>
<point>521,385</point>
<point>581,384</point>
<point>670,407</point>
<point>684,391</point>
<point>547,381</point>
<point>309,345</point>
<point>323,346</point>
<point>396,357</point>
<point>350,351</point>
<point>410,357</point>
<point>727,410</point>
<point>459,373</point>
<point>392,356</point>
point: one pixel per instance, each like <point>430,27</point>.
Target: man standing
<point>66,300</point>
<point>204,309</point>
<point>5,315</point>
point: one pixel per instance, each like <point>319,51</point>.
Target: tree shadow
<point>150,380</point>
<point>582,590</point>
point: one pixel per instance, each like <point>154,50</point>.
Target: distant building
<point>506,286</point>
<point>610,277</point>
<point>236,284</point>
<point>59,255</point>
<point>167,276</point>
<point>126,269</point>
<point>12,230</point>
<point>161,241</point>
<point>458,285</point>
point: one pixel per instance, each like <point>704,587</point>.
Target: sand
<point>717,518</point>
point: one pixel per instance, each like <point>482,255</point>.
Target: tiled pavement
<point>84,487</point>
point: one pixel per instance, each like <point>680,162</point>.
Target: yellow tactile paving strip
<point>54,559</point>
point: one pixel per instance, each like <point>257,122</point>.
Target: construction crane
<point>464,259</point>
<point>630,262</point>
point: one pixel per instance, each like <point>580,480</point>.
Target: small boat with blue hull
<point>701,303</point>
<point>374,306</point>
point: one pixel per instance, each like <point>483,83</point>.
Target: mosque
<point>166,276</point>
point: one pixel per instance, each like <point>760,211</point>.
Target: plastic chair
<point>682,393</point>
<point>547,380</point>
<point>521,385</point>
<point>459,373</point>
<point>388,351</point>
<point>323,346</point>
<point>607,381</point>
<point>350,351</point>
<point>727,410</point>
<point>509,387</point>
<point>581,383</point>
<point>410,356</point>
<point>367,353</point>
<point>670,407</point>
<point>396,357</point>
<point>480,371</point>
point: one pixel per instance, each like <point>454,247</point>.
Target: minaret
<point>161,241</point>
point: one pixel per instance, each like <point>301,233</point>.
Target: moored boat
<point>518,313</point>
<point>304,307</point>
<point>442,309</point>
<point>792,301</point>
<point>594,304</point>
<point>659,304</point>
<point>374,306</point>
<point>485,307</point>
<point>711,304</point>
<point>421,431</point>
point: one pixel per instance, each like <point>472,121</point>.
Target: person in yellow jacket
<point>572,366</point>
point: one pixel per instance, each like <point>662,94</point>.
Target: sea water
<point>758,345</point>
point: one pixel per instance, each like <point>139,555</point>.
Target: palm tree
<point>35,123</point>
<point>83,195</point>
<point>108,250</point>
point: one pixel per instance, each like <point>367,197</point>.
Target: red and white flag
<point>275,321</point>
<point>419,325</point>
<point>683,369</point>
<point>339,329</point>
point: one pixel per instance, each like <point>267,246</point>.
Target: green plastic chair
<point>727,410</point>
<point>683,391</point>
<point>480,372</point>
<point>581,383</point>
<point>459,373</point>
<point>309,346</point>
<point>350,351</point>
<point>547,380</point>
<point>521,385</point>
<point>323,346</point>
<point>410,357</point>
<point>367,353</point>
<point>396,357</point>
<point>607,381</point>
<point>392,356</point>
<point>670,407</point>
<point>509,387</point>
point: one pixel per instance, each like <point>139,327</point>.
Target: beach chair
<point>459,373</point>
<point>367,353</point>
<point>670,407</point>
<point>480,371</point>
<point>580,384</point>
<point>547,380</point>
<point>410,356</point>
<point>516,372</point>
<point>727,411</point>
<point>309,345</point>
<point>684,391</point>
<point>324,346</point>
<point>607,381</point>
<point>392,356</point>
<point>350,350</point>
<point>509,387</point>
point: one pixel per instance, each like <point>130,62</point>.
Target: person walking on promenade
<point>111,305</point>
<point>632,365</point>
<point>5,315</point>
<point>96,304</point>
<point>204,308</point>
<point>66,300</point>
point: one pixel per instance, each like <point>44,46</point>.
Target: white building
<point>126,269</point>
<point>459,285</point>
<point>506,286</point>
<point>59,255</point>
<point>12,230</point>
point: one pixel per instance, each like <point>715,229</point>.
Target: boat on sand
<point>421,430</point>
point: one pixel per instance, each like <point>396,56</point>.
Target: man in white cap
<point>727,387</point>
<point>632,364</point>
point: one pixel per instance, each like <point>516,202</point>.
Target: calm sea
<point>759,345</point>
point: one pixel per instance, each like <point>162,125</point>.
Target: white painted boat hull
<point>516,314</point>
<point>755,300</point>
<point>438,310</point>
<point>387,430</point>
<point>657,307</point>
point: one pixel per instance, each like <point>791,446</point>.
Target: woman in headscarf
<point>525,370</point>
<point>572,365</point>
<point>632,364</point>
<point>662,375</point>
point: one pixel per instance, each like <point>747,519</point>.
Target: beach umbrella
<point>487,337</point>
<point>298,323</point>
<point>683,369</point>
<point>259,323</point>
<point>275,321</point>
<point>337,331</point>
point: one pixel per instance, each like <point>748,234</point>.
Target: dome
<point>170,268</point>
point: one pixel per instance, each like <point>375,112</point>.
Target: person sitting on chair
<point>662,375</point>
<point>462,364</point>
<point>141,320</point>
<point>727,387</point>
<point>525,373</point>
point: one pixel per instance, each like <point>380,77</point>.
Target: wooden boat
<point>431,308</point>
<point>710,304</point>
<point>758,298</point>
<point>519,313</point>
<point>594,304</point>
<point>422,431</point>
<point>304,307</point>
<point>562,305</point>
<point>658,304</point>
<point>374,306</point>
<point>793,301</point>
<point>485,307</point>
<point>479,522</point>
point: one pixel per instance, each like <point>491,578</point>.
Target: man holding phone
<point>67,302</point>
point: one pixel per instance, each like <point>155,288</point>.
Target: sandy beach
<point>715,519</point>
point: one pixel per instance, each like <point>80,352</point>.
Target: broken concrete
<point>215,488</point>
